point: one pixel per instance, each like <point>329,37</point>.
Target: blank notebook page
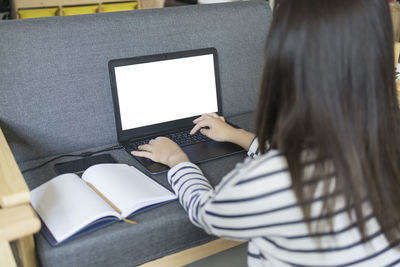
<point>126,187</point>
<point>66,204</point>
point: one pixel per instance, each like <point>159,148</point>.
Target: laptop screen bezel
<point>165,127</point>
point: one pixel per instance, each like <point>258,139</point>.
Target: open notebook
<point>70,206</point>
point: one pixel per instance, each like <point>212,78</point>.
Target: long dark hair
<point>328,88</point>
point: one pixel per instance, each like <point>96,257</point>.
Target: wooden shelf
<point>35,4</point>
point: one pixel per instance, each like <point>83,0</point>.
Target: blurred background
<point>24,9</point>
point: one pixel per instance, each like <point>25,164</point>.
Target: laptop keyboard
<point>183,138</point>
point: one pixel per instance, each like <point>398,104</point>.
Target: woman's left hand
<point>162,150</point>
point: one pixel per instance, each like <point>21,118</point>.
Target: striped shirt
<point>255,202</point>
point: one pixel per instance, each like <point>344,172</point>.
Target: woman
<point>326,190</point>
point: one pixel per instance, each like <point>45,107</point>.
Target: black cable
<point>83,155</point>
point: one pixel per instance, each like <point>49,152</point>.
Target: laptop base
<point>197,153</point>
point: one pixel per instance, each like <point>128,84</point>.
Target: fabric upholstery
<point>55,92</point>
<point>55,98</point>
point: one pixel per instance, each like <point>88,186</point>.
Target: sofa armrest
<point>17,222</point>
<point>194,254</point>
<point>13,188</point>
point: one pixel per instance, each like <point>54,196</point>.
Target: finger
<point>205,132</point>
<point>209,116</point>
<point>195,129</point>
<point>215,115</point>
<point>198,126</point>
<point>143,154</point>
<point>152,141</point>
<point>146,147</point>
<point>156,140</point>
<point>199,119</point>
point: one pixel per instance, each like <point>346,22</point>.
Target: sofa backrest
<point>55,94</point>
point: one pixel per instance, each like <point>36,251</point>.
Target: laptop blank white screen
<point>161,91</point>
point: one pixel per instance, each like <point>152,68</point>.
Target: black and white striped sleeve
<point>236,208</point>
<point>255,202</point>
<point>254,149</point>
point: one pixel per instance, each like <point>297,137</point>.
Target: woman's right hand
<point>214,127</point>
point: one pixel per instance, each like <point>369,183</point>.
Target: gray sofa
<point>55,98</point>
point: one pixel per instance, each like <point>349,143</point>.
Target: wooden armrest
<point>17,222</point>
<point>193,254</point>
<point>13,188</point>
<point>395,11</point>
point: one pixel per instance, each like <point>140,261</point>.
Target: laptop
<point>161,95</point>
